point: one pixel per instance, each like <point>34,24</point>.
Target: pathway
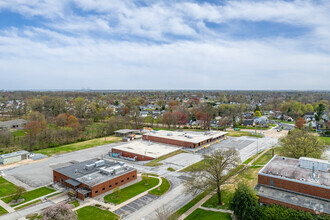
<point>6,206</point>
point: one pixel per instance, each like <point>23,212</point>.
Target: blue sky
<point>107,44</point>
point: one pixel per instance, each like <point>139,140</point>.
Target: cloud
<point>163,45</point>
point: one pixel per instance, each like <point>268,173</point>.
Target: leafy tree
<point>300,143</point>
<point>244,202</point>
<point>319,111</point>
<point>19,191</point>
<point>257,114</point>
<point>116,192</point>
<point>145,179</point>
<point>79,106</point>
<point>59,211</point>
<point>300,123</point>
<point>214,171</point>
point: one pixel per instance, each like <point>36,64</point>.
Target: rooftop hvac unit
<point>99,163</point>
<point>89,166</point>
<point>311,163</point>
<point>169,134</point>
<point>107,171</point>
<point>121,163</point>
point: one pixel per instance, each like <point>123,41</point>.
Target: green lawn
<point>163,188</point>
<point>94,213</point>
<point>155,162</point>
<point>78,146</point>
<point>18,133</point>
<point>285,122</point>
<point>251,158</point>
<point>75,203</point>
<point>28,204</point>
<point>225,199</point>
<point>2,211</point>
<point>326,140</point>
<point>242,133</point>
<point>202,214</point>
<point>198,165</point>
<point>6,188</point>
<point>30,195</point>
<point>267,156</point>
<point>131,191</point>
<point>171,169</point>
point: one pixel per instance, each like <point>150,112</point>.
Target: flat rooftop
<point>312,203</point>
<point>289,168</point>
<point>125,131</point>
<point>92,176</point>
<point>146,148</point>
<point>14,154</point>
<point>187,136</point>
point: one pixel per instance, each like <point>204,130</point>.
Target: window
<point>103,189</point>
<point>96,191</point>
<point>127,178</point>
<point>133,176</point>
<point>110,186</point>
<point>271,182</point>
<point>122,181</point>
<point>116,183</point>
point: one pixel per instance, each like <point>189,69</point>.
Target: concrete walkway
<point>216,210</point>
<point>113,207</point>
<point>6,206</point>
<point>41,198</point>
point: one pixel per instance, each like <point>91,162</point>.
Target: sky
<point>165,44</point>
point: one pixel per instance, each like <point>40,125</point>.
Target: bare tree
<point>164,213</point>
<point>217,164</point>
<point>59,212</point>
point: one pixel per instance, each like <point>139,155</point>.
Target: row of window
<point>111,185</point>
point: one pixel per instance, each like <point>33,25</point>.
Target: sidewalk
<point>41,198</point>
<point>6,206</point>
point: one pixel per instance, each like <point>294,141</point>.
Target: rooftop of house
<point>300,170</point>
<point>187,136</point>
<point>146,148</point>
<point>10,123</point>
<point>14,154</point>
<point>93,172</point>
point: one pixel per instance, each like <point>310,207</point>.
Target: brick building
<point>184,138</point>
<point>93,177</point>
<point>300,184</point>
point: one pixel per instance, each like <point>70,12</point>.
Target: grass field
<point>94,213</point>
<point>198,165</point>
<point>155,162</point>
<point>75,203</point>
<point>285,122</point>
<point>79,145</point>
<point>226,195</point>
<point>242,133</point>
<point>326,140</point>
<point>202,214</point>
<point>131,191</point>
<point>2,211</point>
<point>6,188</point>
<point>18,133</point>
<point>267,156</point>
<point>163,188</point>
<point>30,195</point>
<point>28,204</point>
<point>251,158</point>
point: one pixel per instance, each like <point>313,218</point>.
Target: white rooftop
<point>146,148</point>
<point>188,136</point>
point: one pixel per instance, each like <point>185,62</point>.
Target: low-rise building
<point>93,177</point>
<point>300,184</point>
<point>17,123</point>
<point>14,157</point>
<point>184,138</point>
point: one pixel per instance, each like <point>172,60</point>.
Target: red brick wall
<point>271,201</point>
<point>106,185</point>
<point>100,187</point>
<point>132,155</point>
<point>295,186</point>
<point>168,141</point>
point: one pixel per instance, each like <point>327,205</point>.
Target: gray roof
<point>10,123</point>
<point>125,131</point>
<point>72,182</point>
<point>298,199</point>
<point>14,154</point>
<point>91,176</point>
